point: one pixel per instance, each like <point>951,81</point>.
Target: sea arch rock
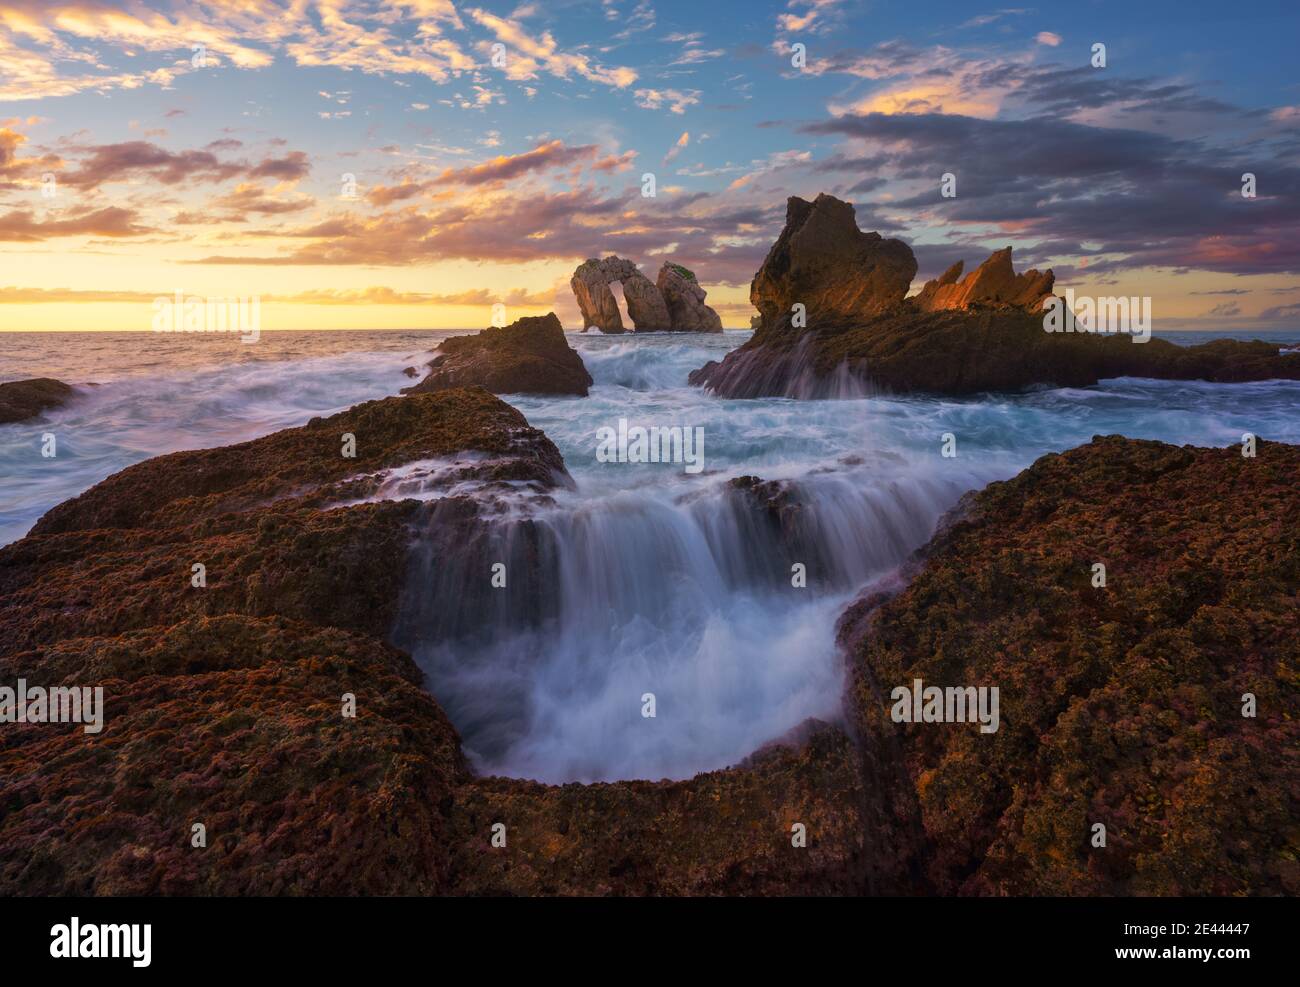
<point>685,300</point>
<point>675,304</point>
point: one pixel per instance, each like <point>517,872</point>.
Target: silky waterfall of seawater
<point>688,598</point>
<point>789,374</point>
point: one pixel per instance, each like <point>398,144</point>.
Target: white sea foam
<point>647,578</point>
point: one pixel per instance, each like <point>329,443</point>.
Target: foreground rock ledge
<point>224,704</point>
<point>1120,705</point>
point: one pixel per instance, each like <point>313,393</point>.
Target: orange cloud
<point>21,225</point>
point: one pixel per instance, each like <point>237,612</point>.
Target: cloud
<point>526,55</point>
<point>129,161</point>
<point>389,296</point>
<point>292,167</point>
<point>983,20</point>
<point>553,154</point>
<point>808,16</point>
<point>1136,198</point>
<point>677,148</point>
<point>1048,38</point>
<point>1281,313</point>
<point>249,198</point>
<point>544,157</point>
<point>31,296</point>
<point>21,225</point>
<point>723,243</point>
<point>942,79</point>
<point>773,162</point>
<point>375,295</point>
<point>677,100</point>
<point>14,167</point>
<point>38,38</point>
<point>641,18</point>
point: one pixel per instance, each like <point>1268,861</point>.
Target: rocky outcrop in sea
<point>674,302</point>
<point>23,400</point>
<point>834,322</point>
<point>529,356</point>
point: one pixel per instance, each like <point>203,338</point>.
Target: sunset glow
<point>366,165</point>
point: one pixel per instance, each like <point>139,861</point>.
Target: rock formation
<point>529,356</point>
<point>993,283</point>
<point>649,306</point>
<point>824,262</point>
<point>596,302</point>
<point>1120,705</point>
<point>22,400</point>
<point>984,332</point>
<point>685,300</point>
<point>224,701</point>
<point>645,306</point>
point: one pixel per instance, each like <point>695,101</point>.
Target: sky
<point>365,164</point>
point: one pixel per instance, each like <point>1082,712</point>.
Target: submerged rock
<point>529,356</point>
<point>984,332</point>
<point>23,400</point>
<point>1119,705</point>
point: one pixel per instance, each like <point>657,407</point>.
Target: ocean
<point>663,587</point>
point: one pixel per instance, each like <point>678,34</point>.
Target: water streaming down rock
<point>656,581</point>
<point>688,597</point>
<point>790,374</point>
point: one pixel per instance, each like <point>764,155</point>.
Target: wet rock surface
<point>224,703</point>
<point>722,832</point>
<point>233,723</point>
